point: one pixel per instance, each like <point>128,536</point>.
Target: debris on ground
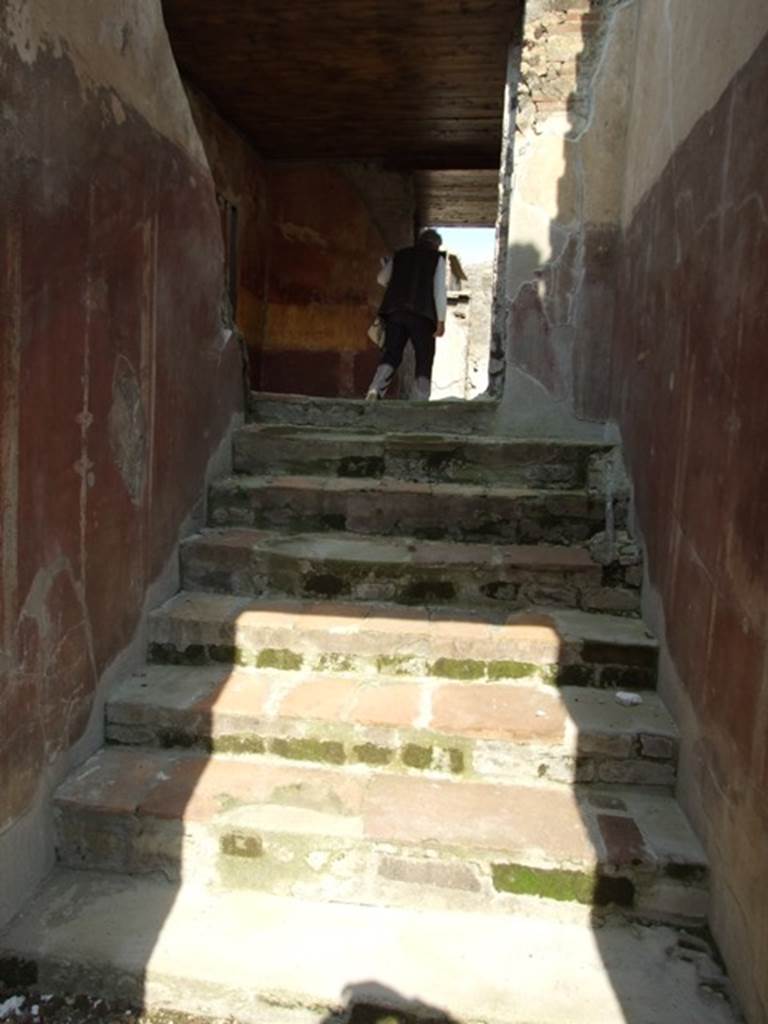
<point>44,1008</point>
<point>628,700</point>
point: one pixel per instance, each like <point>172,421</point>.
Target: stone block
<point>613,600</point>
<point>624,843</point>
<point>658,748</point>
<point>451,875</point>
<point>322,699</point>
<point>497,712</point>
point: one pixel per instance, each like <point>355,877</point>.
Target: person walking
<point>413,308</point>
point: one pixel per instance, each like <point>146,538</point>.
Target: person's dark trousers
<point>399,329</point>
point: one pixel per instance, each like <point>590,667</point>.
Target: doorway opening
<point>461,359</point>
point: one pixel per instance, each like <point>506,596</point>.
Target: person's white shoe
<point>372,395</point>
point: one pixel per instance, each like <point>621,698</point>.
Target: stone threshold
<point>283,961</point>
<point>439,458</point>
<point>402,415</point>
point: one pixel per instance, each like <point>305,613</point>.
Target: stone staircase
<point>390,681</point>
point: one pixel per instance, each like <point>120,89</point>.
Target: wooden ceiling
<point>411,83</point>
<point>457,198</point>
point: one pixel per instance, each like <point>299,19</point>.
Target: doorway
<point>461,360</point>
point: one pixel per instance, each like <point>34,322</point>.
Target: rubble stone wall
<point>564,219</point>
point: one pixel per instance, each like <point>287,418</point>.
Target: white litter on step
<point>628,700</point>
<point>541,714</point>
<point>11,1006</point>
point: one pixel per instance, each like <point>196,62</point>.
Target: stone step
<point>567,648</point>
<point>519,732</point>
<point>436,458</point>
<point>259,959</point>
<point>463,512</point>
<point>358,835</point>
<point>399,569</point>
<point>476,417</point>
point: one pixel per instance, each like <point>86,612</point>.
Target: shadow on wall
<point>167,811</point>
<point>560,273</point>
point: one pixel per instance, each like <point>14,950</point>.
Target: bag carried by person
<point>376,332</point>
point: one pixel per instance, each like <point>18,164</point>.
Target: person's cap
<point>430,236</point>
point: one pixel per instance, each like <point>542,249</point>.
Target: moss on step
<point>308,749</point>
<point>170,654</point>
<point>280,658</point>
<point>224,654</point>
<point>514,670</point>
<point>336,663</point>
<point>564,885</point>
<point>416,756</point>
<point>238,744</point>
<point>241,844</point>
<point>458,668</point>
<point>574,675</point>
<point>397,664</point>
<point>372,753</point>
<point>170,739</point>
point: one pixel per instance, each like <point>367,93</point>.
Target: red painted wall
<point>325,249</point>
<point>311,237</point>
<point>241,178</point>
<point>117,381</point>
<point>690,373</point>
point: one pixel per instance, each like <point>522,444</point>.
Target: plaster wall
<point>686,57</point>
<point>461,355</point>
<point>565,208</point>
<point>450,368</point>
<point>117,380</point>
<point>310,237</point>
<point>330,225</point>
<point>480,277</point>
<point>242,182</point>
<point>689,396</point>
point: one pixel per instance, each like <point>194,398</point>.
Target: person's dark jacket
<point>411,286</point>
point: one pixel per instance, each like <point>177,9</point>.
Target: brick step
<point>464,512</point>
<point>425,458</point>
<point>251,957</point>
<point>567,648</point>
<point>517,732</point>
<point>355,835</point>
<point>398,569</point>
<point>476,417</point>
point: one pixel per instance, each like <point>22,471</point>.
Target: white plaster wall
<point>449,372</point>
<point>118,48</point>
<point>687,53</point>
